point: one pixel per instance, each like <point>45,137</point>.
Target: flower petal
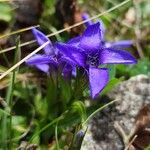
<point>41,39</point>
<point>85,16</point>
<point>67,71</point>
<point>74,71</point>
<point>74,41</point>
<point>67,67</point>
<point>40,59</point>
<point>119,44</point>
<point>67,60</point>
<point>98,79</point>
<point>112,56</point>
<point>43,67</point>
<point>102,28</point>
<point>72,53</point>
<point>91,38</point>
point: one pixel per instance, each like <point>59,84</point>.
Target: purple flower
<point>85,16</point>
<point>88,51</point>
<point>114,44</point>
<point>51,59</point>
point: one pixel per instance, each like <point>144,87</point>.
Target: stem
<point>56,136</point>
<point>6,124</point>
<point>95,112</point>
<point>137,28</point>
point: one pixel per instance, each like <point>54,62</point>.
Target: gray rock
<point>131,95</point>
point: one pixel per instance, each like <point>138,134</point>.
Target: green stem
<point>6,124</point>
<point>56,136</point>
<point>98,110</point>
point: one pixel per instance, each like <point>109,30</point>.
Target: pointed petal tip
<point>113,56</point>
<point>98,78</point>
<point>41,39</point>
<point>91,38</point>
<point>43,67</point>
<point>133,60</point>
<point>85,16</point>
<point>122,44</point>
<point>34,29</point>
<point>39,59</point>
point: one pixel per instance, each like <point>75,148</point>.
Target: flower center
<point>93,59</point>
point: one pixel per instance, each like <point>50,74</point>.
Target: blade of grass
<point>5,112</point>
<point>6,126</point>
<point>79,107</point>
<point>48,125</point>
<point>17,57</point>
<point>72,26</point>
<point>9,96</point>
<point>138,17</point>
<point>4,132</point>
<point>56,136</point>
<point>6,59</point>
<point>98,110</point>
<point>5,0</point>
<point>23,60</point>
<point>28,129</point>
<point>18,31</point>
<point>78,137</point>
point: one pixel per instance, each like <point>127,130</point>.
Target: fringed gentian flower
<point>51,59</point>
<point>122,44</point>
<point>87,51</point>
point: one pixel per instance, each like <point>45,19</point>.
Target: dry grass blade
<point>8,0</point>
<point>23,60</point>
<point>18,31</point>
<point>127,147</point>
<point>13,47</point>
<point>70,27</point>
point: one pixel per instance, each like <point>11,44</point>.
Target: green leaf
<point>6,13</point>
<point>112,71</point>
<point>53,103</point>
<point>110,85</point>
<point>4,112</point>
<point>61,117</point>
<point>65,87</point>
<point>147,148</point>
<point>143,67</point>
<point>40,105</point>
<point>79,107</point>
